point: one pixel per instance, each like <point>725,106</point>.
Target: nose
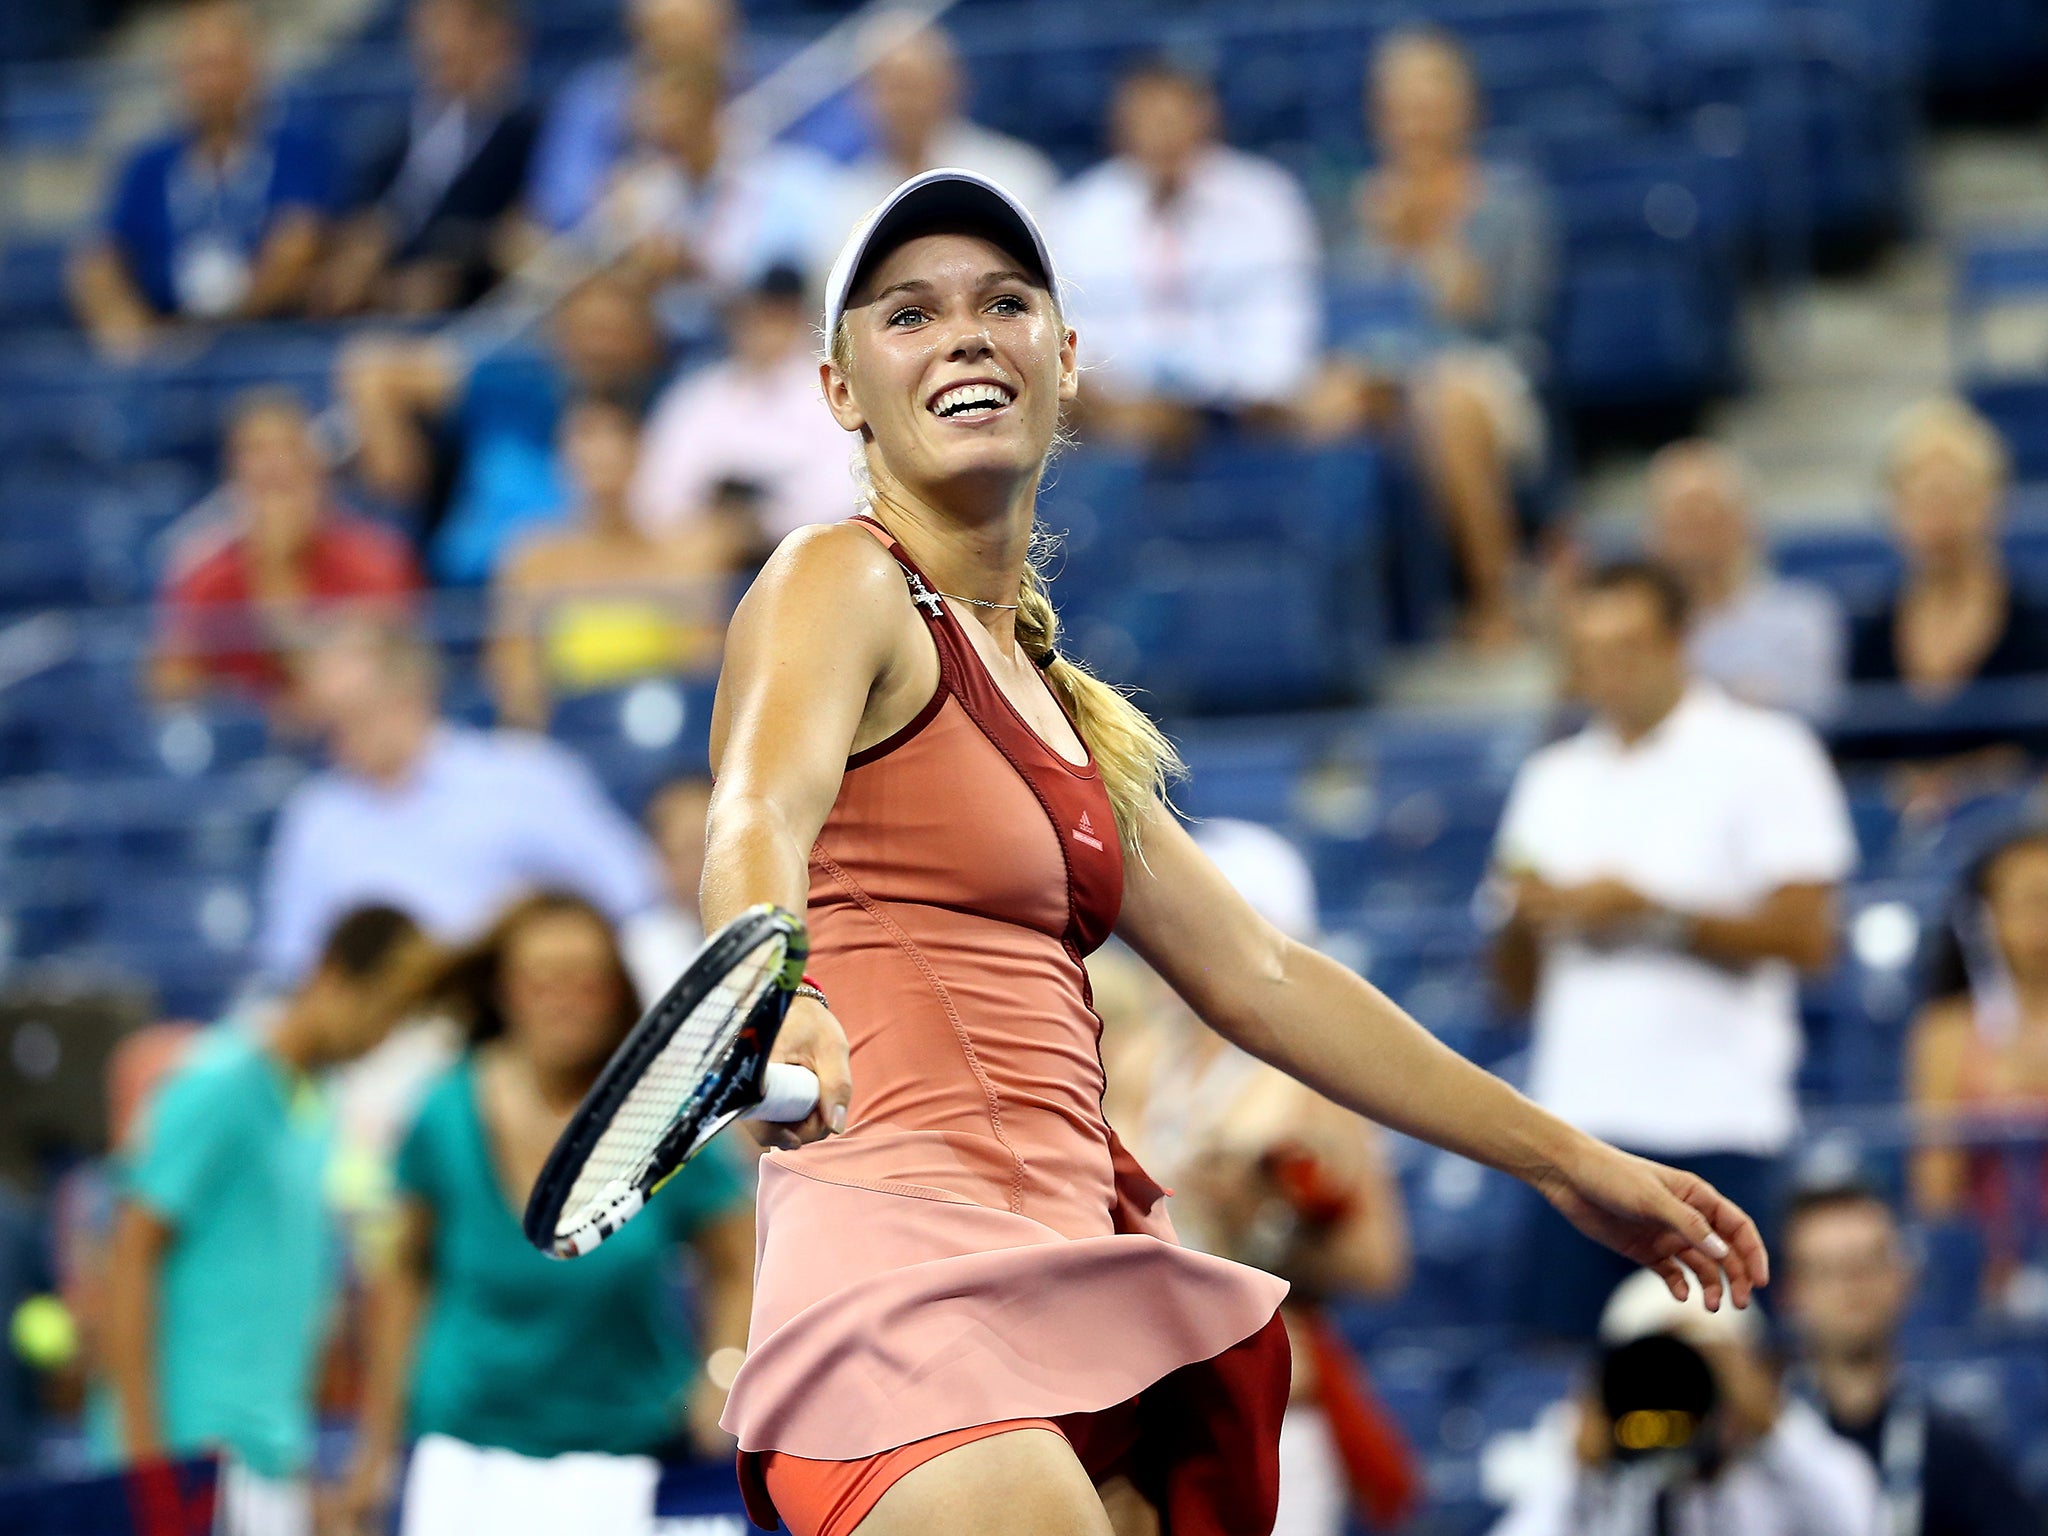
<point>971,340</point>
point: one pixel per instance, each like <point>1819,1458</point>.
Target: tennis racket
<point>695,1063</point>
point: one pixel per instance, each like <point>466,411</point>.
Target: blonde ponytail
<point>1138,764</point>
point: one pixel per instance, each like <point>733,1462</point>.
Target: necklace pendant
<point>922,595</point>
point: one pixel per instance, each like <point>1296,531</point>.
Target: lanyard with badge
<point>1901,1454</point>
<point>1902,1461</point>
<point>217,214</point>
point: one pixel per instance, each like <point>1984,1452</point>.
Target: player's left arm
<point>1301,1011</point>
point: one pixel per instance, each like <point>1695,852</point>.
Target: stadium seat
<point>639,736</point>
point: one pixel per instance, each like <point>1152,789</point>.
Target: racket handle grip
<point>789,1093</point>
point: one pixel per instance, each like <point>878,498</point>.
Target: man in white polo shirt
<point>1667,872</point>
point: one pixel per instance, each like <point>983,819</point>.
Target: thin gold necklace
<point>979,602</point>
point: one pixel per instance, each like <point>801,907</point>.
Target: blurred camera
<point>1659,1396</point>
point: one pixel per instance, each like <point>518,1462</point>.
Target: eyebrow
<point>987,280</point>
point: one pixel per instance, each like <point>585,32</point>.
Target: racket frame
<point>737,1087</point>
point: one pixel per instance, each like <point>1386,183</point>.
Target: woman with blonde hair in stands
<point>971,1314</point>
<point>1957,615</point>
<point>1977,1059</point>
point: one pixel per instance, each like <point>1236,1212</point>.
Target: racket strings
<point>675,1084</point>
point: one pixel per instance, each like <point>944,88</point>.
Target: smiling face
<point>954,366</point>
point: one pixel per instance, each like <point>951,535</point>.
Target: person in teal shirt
<point>513,1371</point>
<point>221,1276</point>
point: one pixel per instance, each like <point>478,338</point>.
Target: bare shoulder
<point>832,594</point>
<point>830,575</point>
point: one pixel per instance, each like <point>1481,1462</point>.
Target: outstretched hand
<point>811,1037</point>
<point>1664,1219</point>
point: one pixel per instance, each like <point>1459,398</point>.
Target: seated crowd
<point>1196,271</point>
<point>466,920</point>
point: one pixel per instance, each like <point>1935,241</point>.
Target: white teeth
<point>969,397</point>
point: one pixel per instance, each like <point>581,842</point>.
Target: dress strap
<point>921,591</point>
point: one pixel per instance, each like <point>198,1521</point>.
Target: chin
<point>994,458</point>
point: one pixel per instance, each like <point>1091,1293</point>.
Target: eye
<point>1010,304</point>
<point>909,314</point>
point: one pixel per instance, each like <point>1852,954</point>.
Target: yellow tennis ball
<point>44,1334</point>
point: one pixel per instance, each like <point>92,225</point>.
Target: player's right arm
<point>822,659</point>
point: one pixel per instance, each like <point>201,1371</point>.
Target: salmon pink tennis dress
<point>977,1248</point>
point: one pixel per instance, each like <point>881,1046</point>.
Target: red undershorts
<point>831,1498</point>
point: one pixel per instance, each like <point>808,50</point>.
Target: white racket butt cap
<point>789,1094</point>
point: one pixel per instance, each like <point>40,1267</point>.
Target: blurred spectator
<point>1266,1171</point>
<point>589,127</point>
<point>1846,1282</point>
<point>1666,872</point>
<point>694,212</point>
<point>220,219</point>
<point>1686,1429</point>
<point>600,602</point>
<point>1957,617</point>
<point>505,1363</point>
<point>661,941</point>
<point>473,443</point>
<point>1464,254</point>
<point>223,1274</point>
<point>429,228</point>
<point>758,417</point>
<point>1190,269</point>
<point>913,94</point>
<point>1766,640</point>
<point>447,822</point>
<point>240,592</point>
<point>1978,1057</point>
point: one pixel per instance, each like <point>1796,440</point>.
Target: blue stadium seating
<point>640,736</point>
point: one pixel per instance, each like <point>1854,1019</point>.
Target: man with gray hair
<point>442,821</point>
<point>1767,640</point>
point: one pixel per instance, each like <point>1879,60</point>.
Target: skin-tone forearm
<point>1516,959</point>
<point>1792,925</point>
<point>1386,1066</point>
<point>396,1302</point>
<point>392,388</point>
<point>284,268</point>
<point>135,1263</point>
<point>725,1250</point>
<point>109,305</point>
<point>1795,923</point>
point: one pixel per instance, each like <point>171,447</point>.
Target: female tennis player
<point>970,1312</point>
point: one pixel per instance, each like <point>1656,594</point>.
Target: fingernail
<point>1716,1246</point>
<point>838,1118</point>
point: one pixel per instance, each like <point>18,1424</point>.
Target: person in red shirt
<point>240,592</point>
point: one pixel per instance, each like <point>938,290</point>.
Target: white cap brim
<point>1643,1305</point>
<point>947,200</point>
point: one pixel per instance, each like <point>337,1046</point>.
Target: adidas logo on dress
<point>1085,833</point>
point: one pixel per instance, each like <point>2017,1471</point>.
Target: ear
<point>838,391</point>
<point>1070,366</point>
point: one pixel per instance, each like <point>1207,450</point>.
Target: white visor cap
<point>1643,1305</point>
<point>943,201</point>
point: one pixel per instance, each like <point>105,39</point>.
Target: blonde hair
<point>1137,762</point>
<point>1947,424</point>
